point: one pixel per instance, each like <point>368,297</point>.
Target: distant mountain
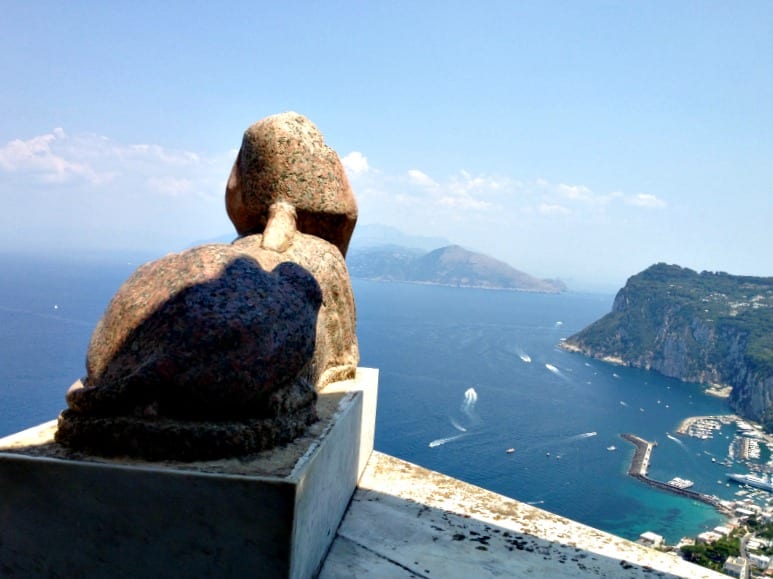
<point>700,327</point>
<point>375,235</point>
<point>451,266</point>
<point>365,236</point>
<point>384,253</point>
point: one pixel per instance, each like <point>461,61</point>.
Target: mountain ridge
<point>451,265</point>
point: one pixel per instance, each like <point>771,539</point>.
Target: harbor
<point>640,464</point>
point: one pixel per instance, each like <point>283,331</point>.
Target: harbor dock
<point>640,463</point>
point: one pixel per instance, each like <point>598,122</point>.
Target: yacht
<point>753,480</point>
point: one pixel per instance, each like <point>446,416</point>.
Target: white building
<point>651,539</point>
<point>736,567</point>
<point>708,537</point>
<point>759,561</point>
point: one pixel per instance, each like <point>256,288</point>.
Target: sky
<point>578,140</point>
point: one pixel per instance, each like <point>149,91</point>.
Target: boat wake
<point>583,435</point>
<point>468,405</point>
<point>676,440</point>
<point>557,372</point>
<point>468,414</point>
<point>442,441</point>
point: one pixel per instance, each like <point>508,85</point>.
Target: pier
<point>641,462</point>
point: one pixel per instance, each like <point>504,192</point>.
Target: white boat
<point>753,480</point>
<point>680,483</point>
<point>611,448</point>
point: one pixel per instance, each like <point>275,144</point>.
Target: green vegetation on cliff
<point>703,327</point>
<point>713,555</point>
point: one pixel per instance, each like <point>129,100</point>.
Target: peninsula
<point>711,328</point>
<point>451,265</point>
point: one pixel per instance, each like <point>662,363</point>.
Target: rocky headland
<point>449,266</point>
<point>710,327</point>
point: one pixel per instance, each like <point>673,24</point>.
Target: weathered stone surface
<point>336,354</point>
<point>284,158</point>
<point>205,336</point>
<point>220,350</point>
<point>161,438</point>
<point>206,333</point>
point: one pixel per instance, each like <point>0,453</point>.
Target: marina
<point>640,464</point>
<point>704,427</point>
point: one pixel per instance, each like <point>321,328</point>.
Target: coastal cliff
<point>711,328</point>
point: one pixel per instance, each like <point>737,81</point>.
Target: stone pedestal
<point>272,515</point>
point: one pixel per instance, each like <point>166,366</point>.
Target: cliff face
<point>706,328</point>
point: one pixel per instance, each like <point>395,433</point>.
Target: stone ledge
<point>406,521</point>
<point>272,514</point>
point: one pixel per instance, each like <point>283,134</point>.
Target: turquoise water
<point>455,391</point>
<point>433,344</point>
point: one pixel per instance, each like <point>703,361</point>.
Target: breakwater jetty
<point>641,462</point>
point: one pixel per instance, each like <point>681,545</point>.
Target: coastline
<point>691,422</point>
<point>712,389</point>
<point>462,286</point>
<point>616,360</point>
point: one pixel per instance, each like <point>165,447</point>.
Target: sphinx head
<point>284,162</point>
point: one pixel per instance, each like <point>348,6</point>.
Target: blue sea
<point>465,375</point>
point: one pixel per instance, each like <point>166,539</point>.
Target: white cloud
<point>89,160</point>
<point>646,200</point>
<point>552,209</point>
<point>165,156</point>
<point>87,190</point>
<point>465,184</point>
<point>416,177</point>
<point>462,202</point>
<point>355,163</point>
<point>44,157</point>
<point>576,192</point>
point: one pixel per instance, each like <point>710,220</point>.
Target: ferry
<point>753,480</point>
<point>680,483</point>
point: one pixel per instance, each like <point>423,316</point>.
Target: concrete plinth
<point>272,515</point>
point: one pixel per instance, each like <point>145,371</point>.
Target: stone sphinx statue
<point>220,350</point>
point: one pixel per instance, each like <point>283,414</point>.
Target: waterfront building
<point>650,539</point>
<point>708,537</point>
<point>759,561</point>
<point>722,530</point>
<point>744,512</point>
<point>736,567</point>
